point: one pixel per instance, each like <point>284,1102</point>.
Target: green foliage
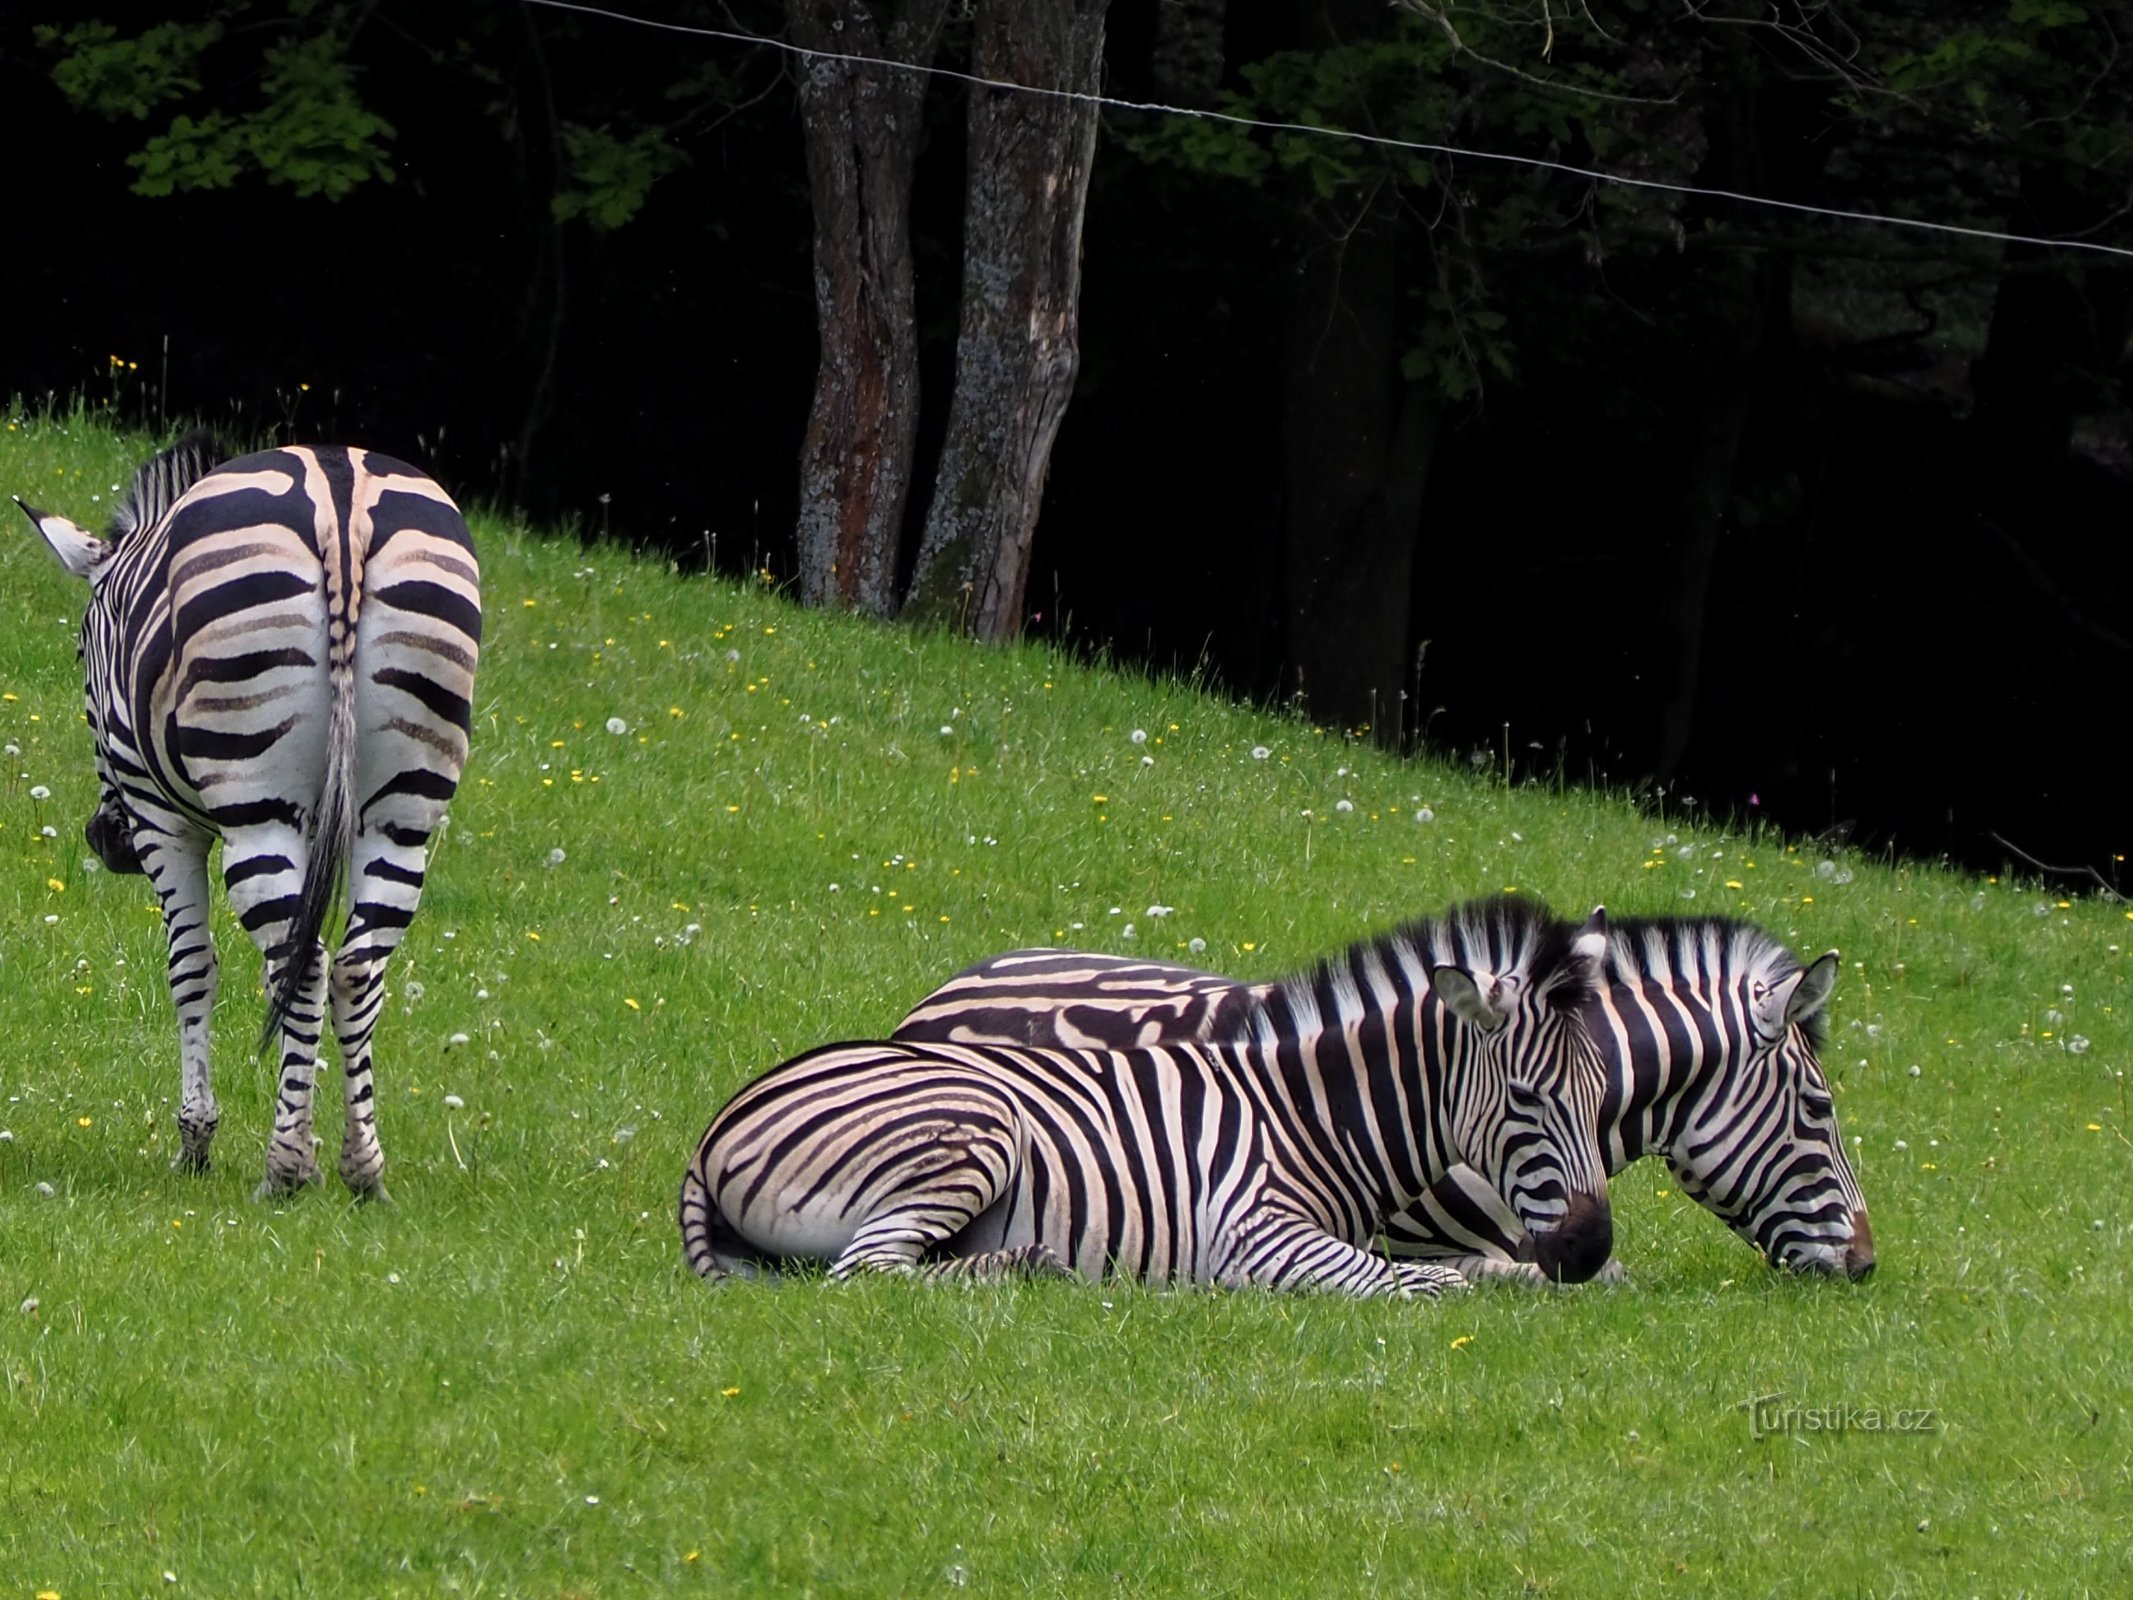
<point>1417,86</point>
<point>507,1384</point>
<point>606,178</point>
<point>309,131</point>
<point>117,77</point>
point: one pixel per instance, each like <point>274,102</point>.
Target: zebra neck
<point>1354,1095</point>
<point>1662,1045</point>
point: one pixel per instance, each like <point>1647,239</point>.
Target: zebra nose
<point>1579,1246</point>
<point>1859,1254</point>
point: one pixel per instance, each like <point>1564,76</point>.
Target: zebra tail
<point>697,1210</point>
<point>710,1244</point>
<point>332,840</point>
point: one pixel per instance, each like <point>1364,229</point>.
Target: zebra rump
<point>278,651</point>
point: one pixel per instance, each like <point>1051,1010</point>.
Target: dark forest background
<point>1770,513</point>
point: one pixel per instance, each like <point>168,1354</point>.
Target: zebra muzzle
<point>1859,1254</point>
<point>1578,1247</point>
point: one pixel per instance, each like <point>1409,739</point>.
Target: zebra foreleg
<point>991,1266</point>
<point>1277,1251</point>
<point>177,866</point>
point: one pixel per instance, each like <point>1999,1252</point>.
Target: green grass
<point>505,1384</point>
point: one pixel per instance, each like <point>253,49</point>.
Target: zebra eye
<point>1524,1095</point>
<point>1817,1104</point>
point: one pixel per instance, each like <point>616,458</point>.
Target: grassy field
<point>703,830</point>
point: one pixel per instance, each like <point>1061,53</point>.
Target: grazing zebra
<point>279,651</point>
<point>1708,1026</point>
<point>1273,1158</point>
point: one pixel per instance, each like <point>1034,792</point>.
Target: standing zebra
<point>1274,1158</point>
<point>1708,1026</point>
<point>279,651</point>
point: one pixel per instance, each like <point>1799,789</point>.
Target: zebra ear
<point>1797,998</point>
<point>1456,988</point>
<point>1589,948</point>
<point>1816,985</point>
<point>78,549</point>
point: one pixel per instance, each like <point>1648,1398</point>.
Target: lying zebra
<point>1708,1026</point>
<point>1274,1158</point>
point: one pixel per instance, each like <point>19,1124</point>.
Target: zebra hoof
<point>281,1185</point>
<point>192,1161</point>
<point>1427,1282</point>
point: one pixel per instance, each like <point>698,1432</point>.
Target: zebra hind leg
<point>292,1157</point>
<point>385,877</point>
<point>177,865</point>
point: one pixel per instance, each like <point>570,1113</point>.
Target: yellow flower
<point>1462,1341</point>
<point>83,1122</point>
<point>631,1002</point>
<point>56,885</point>
<point>730,1393</point>
<point>529,604</point>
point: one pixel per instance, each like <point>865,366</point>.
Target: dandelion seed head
<point>557,857</point>
<point>39,792</point>
<point>1425,815</point>
<point>1344,805</point>
<point>616,725</point>
<point>1196,945</point>
<point>1260,752</point>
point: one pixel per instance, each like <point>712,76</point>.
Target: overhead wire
<point>1348,135</point>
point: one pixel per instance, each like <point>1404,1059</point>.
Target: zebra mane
<point>1659,947</point>
<point>1503,935</point>
<point>162,480</point>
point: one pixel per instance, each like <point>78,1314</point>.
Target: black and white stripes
<point>1709,1030</point>
<point>1274,1158</point>
<point>279,651</point>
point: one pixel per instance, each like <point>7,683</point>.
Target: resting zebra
<point>1273,1158</point>
<point>279,651</point>
<point>1708,1026</point>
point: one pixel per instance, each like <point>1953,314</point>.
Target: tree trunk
<point>1026,188</point>
<point>1356,447</point>
<point>861,126</point>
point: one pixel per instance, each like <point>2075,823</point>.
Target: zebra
<point>278,651</point>
<point>1709,1027</point>
<point>1273,1158</point>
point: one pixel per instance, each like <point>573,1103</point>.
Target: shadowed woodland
<point>1803,517</point>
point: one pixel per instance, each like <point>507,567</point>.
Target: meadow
<point>704,829</point>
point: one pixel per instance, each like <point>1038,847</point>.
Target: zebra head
<point>159,484</point>
<point>1761,1149</point>
<point>1524,1109</point>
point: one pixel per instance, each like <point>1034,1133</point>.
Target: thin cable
<point>1539,163</point>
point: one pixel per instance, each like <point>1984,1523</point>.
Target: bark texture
<point>861,127</point>
<point>1026,188</point>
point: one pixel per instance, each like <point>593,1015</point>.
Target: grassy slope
<point>506,1384</point>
